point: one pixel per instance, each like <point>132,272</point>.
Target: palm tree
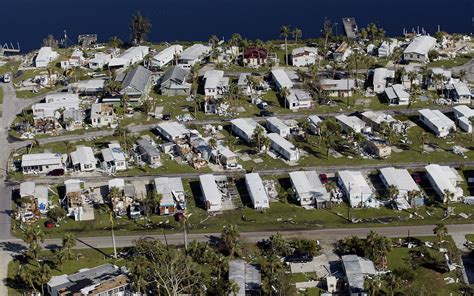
<point>423,140</point>
<point>284,93</point>
<point>297,33</point>
<point>230,239</point>
<point>411,195</point>
<point>34,251</point>
<point>462,74</point>
<point>213,41</point>
<point>34,143</point>
<point>125,99</point>
<point>285,32</point>
<point>68,147</point>
<point>111,220</point>
<point>441,231</point>
<point>372,286</point>
<point>327,31</point>
<point>69,242</point>
<point>233,288</point>
<point>393,192</point>
<point>59,258</point>
<point>448,196</point>
<point>257,136</point>
<point>212,143</point>
<point>140,27</point>
<point>393,283</point>
<point>115,42</point>
<point>33,235</point>
<point>43,276</point>
<point>27,276</point>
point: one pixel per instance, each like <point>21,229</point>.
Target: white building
<point>211,195</point>
<point>172,192</point>
<point>375,119</point>
<point>417,50</point>
<point>463,115</point>
<point>381,78</point>
<point>284,147</point>
<point>83,159</point>
<point>54,103</point>
<point>41,163</point>
<point>102,115</point>
<point>356,270</point>
<point>397,95</point>
<point>257,192</point>
<point>298,99</point>
<point>44,57</point>
<point>437,122</point>
<point>99,61</point>
<point>276,125</point>
<point>38,193</point>
<point>338,88</point>
<point>193,55</point>
<point>314,122</point>
<point>281,79</point>
<point>165,56</point>
<point>459,92</point>
<point>387,47</point>
<point>244,128</point>
<point>215,86</point>
<point>400,178</point>
<point>114,158</point>
<point>309,190</point>
<point>172,130</point>
<point>355,188</point>
<point>444,179</point>
<point>304,56</point>
<point>76,60</point>
<point>351,123</point>
<point>129,57</point>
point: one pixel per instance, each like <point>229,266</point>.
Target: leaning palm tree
<point>393,192</point>
<point>297,33</point>
<point>285,32</point>
<point>140,27</point>
<point>213,41</point>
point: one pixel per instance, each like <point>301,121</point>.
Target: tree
<point>372,286</point>
<point>230,240</point>
<point>69,148</point>
<point>297,33</point>
<point>257,136</point>
<point>327,31</point>
<point>50,41</point>
<point>140,26</point>
<point>138,273</point>
<point>285,32</point>
<point>115,42</point>
<point>213,41</point>
<point>392,192</point>
<point>33,235</point>
<point>212,143</point>
<point>433,55</point>
<point>152,201</point>
<point>69,242</point>
<point>448,196</point>
<point>27,276</point>
<point>284,93</point>
<point>441,232</point>
<point>43,276</point>
<point>112,87</point>
<point>462,74</point>
<point>393,283</point>
<point>124,101</point>
<point>59,257</point>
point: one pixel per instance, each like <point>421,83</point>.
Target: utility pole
<point>113,234</point>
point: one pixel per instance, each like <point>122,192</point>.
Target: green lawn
<point>450,63</point>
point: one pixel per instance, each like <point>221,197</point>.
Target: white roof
<point>256,188</point>
<point>216,82</point>
<point>437,118</point>
<point>355,181</point>
<point>337,85</point>
<point>304,50</point>
<point>396,91</point>
<point>315,119</point>
<point>282,78</point>
<point>298,95</point>
<point>214,73</point>
<point>421,45</point>
<point>246,125</point>
<point>134,52</point>
<point>351,121</point>
<point>307,184</point>
<point>443,176</point>
<point>381,75</point>
<point>282,142</point>
<point>226,152</point>
<point>83,154</point>
<point>171,50</point>
<point>277,122</point>
<point>40,159</point>
<point>117,183</point>
<point>113,153</point>
<point>172,130</point>
<point>45,54</point>
<point>463,111</point>
<point>195,52</point>
<point>209,189</point>
<point>165,186</point>
<point>461,89</point>
<point>400,178</point>
<point>378,117</point>
<point>27,189</point>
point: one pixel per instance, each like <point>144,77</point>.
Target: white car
<point>233,166</point>
<point>7,78</point>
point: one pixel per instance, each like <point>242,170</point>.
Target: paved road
<point>469,68</point>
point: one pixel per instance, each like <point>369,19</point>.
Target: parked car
<point>323,178</point>
<point>166,116</point>
<point>265,113</point>
<point>49,224</point>
<point>56,172</point>
<point>416,177</point>
<point>7,78</point>
<point>299,258</point>
<point>233,166</point>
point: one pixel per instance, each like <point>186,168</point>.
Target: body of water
<point>28,21</point>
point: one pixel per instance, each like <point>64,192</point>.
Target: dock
<point>350,27</point>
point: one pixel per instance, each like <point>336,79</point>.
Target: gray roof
<point>83,154</point>
<point>337,85</point>
<point>356,268</point>
<point>176,75</point>
<point>146,146</point>
<point>136,81</point>
<point>165,186</point>
<point>40,159</point>
<point>421,45</point>
<point>246,276</point>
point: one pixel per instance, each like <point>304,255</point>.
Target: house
<point>355,188</point>
<point>91,87</point>
<point>401,179</point>
<point>73,119</point>
<point>314,122</point>
<point>356,270</point>
<point>172,131</point>
<point>284,147</point>
<point>459,92</point>
<point>137,84</point>
<point>338,88</point>
<point>445,179</point>
<point>173,197</point>
<point>376,146</point>
<point>243,83</point>
<point>244,128</point>
<point>298,99</point>
<point>38,196</point>
<point>102,115</point>
<point>44,57</point>
<point>122,201</point>
<point>166,56</point>
<point>99,61</point>
<point>215,86</point>
<point>75,201</point>
<point>387,47</point>
<point>397,95</point>
<point>54,104</point>
<point>309,191</point>
<point>257,192</point>
<point>83,159</point>
<point>211,194</point>
<point>304,56</point>
<point>351,123</point>
<point>463,115</point>
<point>247,277</point>
<point>381,78</point>
<point>76,60</point>
<point>437,122</point>
<point>105,279</point>
<point>148,152</point>
<point>173,82</point>
<point>342,52</point>
<point>201,147</point>
<point>225,156</point>
<point>418,49</point>
<point>129,57</point>
<point>281,79</point>
<point>255,57</point>
<point>276,125</point>
<point>114,158</point>
<point>377,119</point>
<point>41,163</point>
<point>193,55</point>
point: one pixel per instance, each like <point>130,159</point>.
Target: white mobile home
<point>349,123</point>
<point>284,147</point>
<point>459,92</point>
<point>41,163</point>
<point>166,56</point>
<point>102,115</point>
<point>463,116</point>
<point>437,122</point>
<point>276,125</point>
<point>444,179</point>
<point>211,195</point>
<point>281,79</point>
<point>172,130</point>
<point>244,128</point>
<point>304,56</point>
<point>114,158</point>
<point>381,78</point>
<point>355,188</point>
<point>397,95</point>
<point>193,55</point>
<point>83,159</point>
<point>417,50</point>
<point>309,190</point>
<point>129,57</point>
<point>338,88</point>
<point>298,99</point>
<point>314,122</point>
<point>44,57</point>
<point>215,86</point>
<point>54,103</point>
<point>257,192</point>
<point>173,196</point>
<point>400,178</point>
